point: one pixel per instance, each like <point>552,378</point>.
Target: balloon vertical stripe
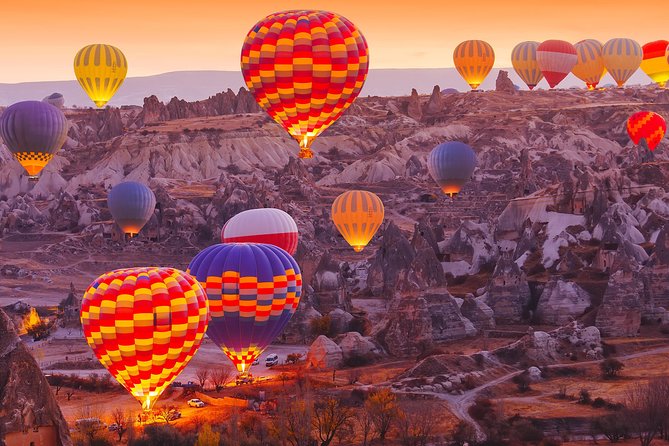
<point>100,70</point>
<point>622,57</point>
<point>474,59</point>
<point>590,64</point>
<point>357,216</point>
<point>524,60</point>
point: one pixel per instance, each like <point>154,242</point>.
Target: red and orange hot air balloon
<point>145,325</point>
<point>648,126</point>
<point>305,68</point>
<point>655,63</point>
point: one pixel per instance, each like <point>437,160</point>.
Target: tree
<point>645,411</point>
<point>295,421</point>
<point>366,425</point>
<point>39,330</point>
<point>523,381</point>
<point>293,358</point>
<point>613,426</point>
<point>207,437</point>
<point>283,376</point>
<point>221,377</point>
<point>321,326</point>
<point>69,394</point>
<point>164,413</point>
<point>382,407</point>
<point>464,433</point>
<point>611,368</point>
<point>416,427</point>
<point>202,375</point>
<point>330,415</point>
<point>122,421</point>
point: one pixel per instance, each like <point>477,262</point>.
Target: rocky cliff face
<point>562,302</point>
<point>508,292</point>
<point>25,396</point>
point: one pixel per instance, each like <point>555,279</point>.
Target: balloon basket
<point>306,153</point>
<point>33,178</point>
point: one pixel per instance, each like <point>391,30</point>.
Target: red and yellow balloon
<point>305,68</point>
<point>145,325</point>
<point>646,125</point>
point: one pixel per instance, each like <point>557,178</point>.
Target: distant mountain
<point>194,85</point>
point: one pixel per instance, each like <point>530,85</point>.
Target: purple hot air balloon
<point>33,131</point>
<point>253,291</point>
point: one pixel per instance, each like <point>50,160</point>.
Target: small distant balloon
<point>524,61</point>
<point>358,214</point>
<point>590,64</point>
<point>655,62</point>
<point>556,60</point>
<point>33,131</point>
<point>451,165</point>
<point>55,99</point>
<point>474,59</point>
<point>648,126</point>
<point>132,205</point>
<point>266,225</point>
<point>622,57</point>
<point>100,70</point>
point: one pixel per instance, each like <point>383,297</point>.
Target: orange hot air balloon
<point>622,57</point>
<point>648,126</point>
<point>305,68</point>
<point>145,325</point>
<point>590,64</point>
<point>357,214</point>
<point>474,60</point>
<point>524,60</point>
<point>655,63</point>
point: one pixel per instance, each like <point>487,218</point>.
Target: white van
<point>271,360</point>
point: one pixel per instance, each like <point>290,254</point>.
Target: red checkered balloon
<point>646,125</point>
<point>145,325</point>
<point>304,69</point>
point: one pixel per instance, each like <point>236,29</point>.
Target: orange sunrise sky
<point>41,37</point>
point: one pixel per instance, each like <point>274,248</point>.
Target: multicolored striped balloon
<point>144,325</point>
<point>266,225</point>
<point>622,57</point>
<point>655,62</point>
<point>524,60</point>
<point>590,64</point>
<point>33,131</point>
<point>100,70</point>
<point>305,68</point>
<point>451,165</point>
<point>648,126</point>
<point>132,205</point>
<point>357,214</point>
<point>474,59</point>
<point>556,60</point>
<point>253,289</point>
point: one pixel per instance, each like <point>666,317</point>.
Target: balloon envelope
<point>305,68</point>
<point>655,63</point>
<point>451,165</point>
<point>648,126</point>
<point>590,65</point>
<point>144,325</point>
<point>524,60</point>
<point>132,205</point>
<point>266,225</point>
<point>100,70</point>
<point>474,59</point>
<point>253,291</point>
<point>33,131</point>
<point>622,57</point>
<point>357,214</point>
<point>556,60</point>
<point>55,99</point>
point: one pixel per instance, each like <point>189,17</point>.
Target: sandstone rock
<point>508,292</point>
<point>408,329</point>
<point>394,256</point>
<point>354,346</point>
<point>29,408</point>
<point>414,109</point>
<point>504,84</point>
<point>414,167</point>
<point>534,374</point>
<point>329,286</point>
<point>436,103</point>
<point>339,320</point>
<point>324,353</point>
<point>657,270</point>
<point>480,314</point>
<point>562,301</point>
<point>473,243</point>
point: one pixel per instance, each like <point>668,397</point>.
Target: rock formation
<point>508,292</point>
<point>414,109</point>
<point>561,301</point>
<point>329,286</point>
<point>436,103</point>
<point>29,408</point>
<point>504,84</point>
<point>324,353</point>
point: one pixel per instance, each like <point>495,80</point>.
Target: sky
<point>41,37</point>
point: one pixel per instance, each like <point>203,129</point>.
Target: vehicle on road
<point>89,424</point>
<point>256,362</point>
<point>195,402</point>
<point>272,360</point>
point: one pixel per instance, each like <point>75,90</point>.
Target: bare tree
<point>366,425</point>
<point>416,427</point>
<point>122,420</point>
<point>202,375</point>
<point>383,410</point>
<point>645,411</point>
<point>164,413</point>
<point>295,421</point>
<point>69,394</point>
<point>330,415</point>
<point>221,377</point>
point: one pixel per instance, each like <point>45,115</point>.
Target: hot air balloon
<point>648,126</point>
<point>524,60</point>
<point>451,165</point>
<point>55,99</point>
<point>590,64</point>
<point>305,68</point>
<point>100,70</point>
<point>266,225</point>
<point>357,214</point>
<point>474,60</point>
<point>33,131</point>
<point>253,291</point>
<point>622,57</point>
<point>655,63</point>
<point>144,325</point>
<point>132,205</point>
<point>556,60</point>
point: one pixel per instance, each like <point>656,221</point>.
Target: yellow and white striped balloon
<point>590,63</point>
<point>357,214</point>
<point>622,57</point>
<point>524,60</point>
<point>100,70</point>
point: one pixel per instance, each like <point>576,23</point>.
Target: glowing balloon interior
<point>100,70</point>
<point>357,214</point>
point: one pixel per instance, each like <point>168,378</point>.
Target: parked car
<point>271,360</point>
<point>89,424</point>
<point>256,362</point>
<point>196,402</point>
